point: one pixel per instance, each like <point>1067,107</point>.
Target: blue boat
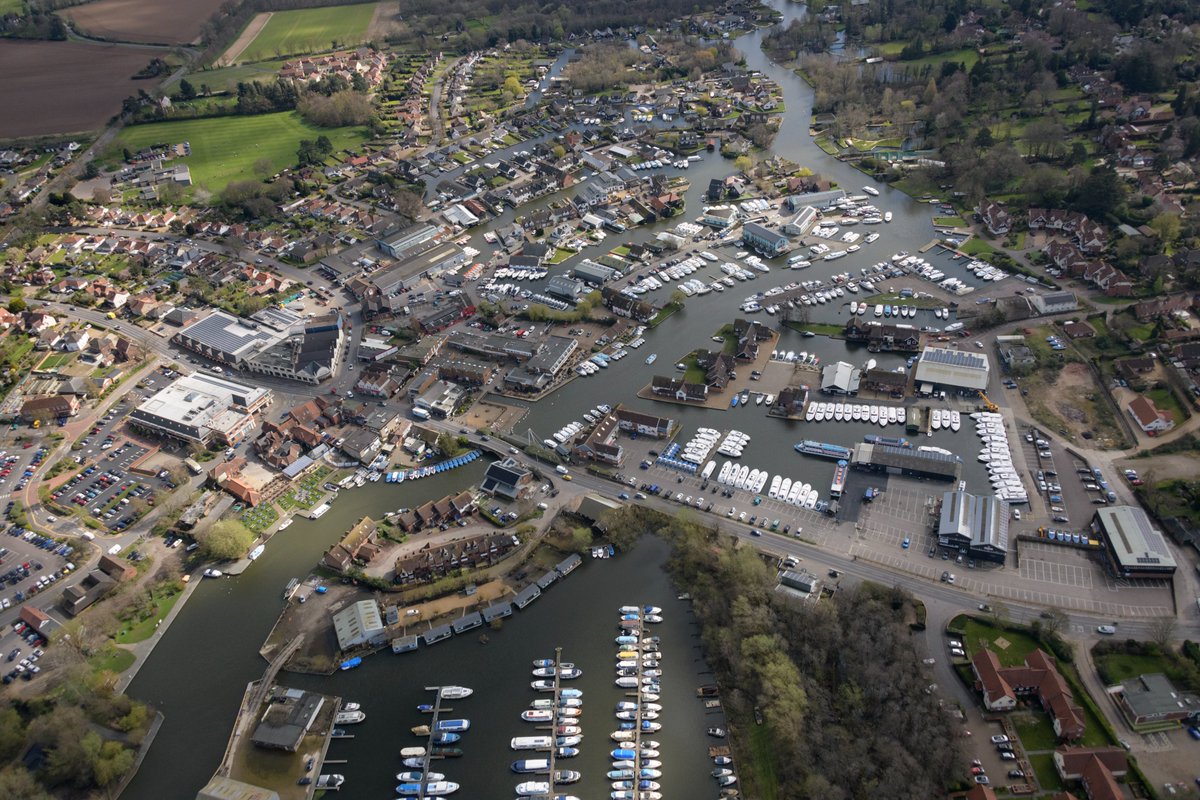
<point>425,708</point>
<point>453,725</point>
<point>350,663</point>
<point>446,738</point>
<point>623,754</point>
<point>733,403</point>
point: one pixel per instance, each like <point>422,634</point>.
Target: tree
<point>1167,226</point>
<point>678,298</point>
<point>1162,631</point>
<point>17,305</point>
<point>186,90</point>
<point>1101,193</point>
<point>264,168</point>
<point>16,781</point>
<point>744,164</point>
<point>225,540</point>
<point>1054,622</point>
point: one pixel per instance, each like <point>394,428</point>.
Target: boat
<point>955,421</point>
<point>213,573</point>
<point>350,663</point>
<point>871,190</point>
<point>456,725</point>
<point>650,359</point>
<point>745,397</point>
<point>531,743</point>
<point>887,216</point>
<point>733,403</point>
<point>430,789</point>
<point>417,776</point>
<point>333,781</point>
<point>454,692</point>
<point>531,765</point>
<point>348,717</point>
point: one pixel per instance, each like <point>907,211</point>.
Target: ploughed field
<point>64,87</point>
<point>153,21</point>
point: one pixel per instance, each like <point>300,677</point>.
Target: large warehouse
<point>201,408</point>
<point>943,369</point>
<point>272,342</point>
<point>906,461</point>
<point>1135,549</point>
<point>976,524</point>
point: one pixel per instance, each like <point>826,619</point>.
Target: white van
<point>116,548</point>
<point>87,536</point>
<point>561,470</point>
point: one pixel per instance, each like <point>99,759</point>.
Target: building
<point>360,624</point>
<point>1054,302</point>
<point>976,524</point>
<point>602,444</point>
<point>45,409</point>
<point>1149,417</point>
<point>202,408</point>
<point>358,546</point>
<point>273,342</point>
<point>840,377</point>
<point>227,339</point>
<point>562,286</point>
<point>287,720</point>
<point>589,271</point>
<point>440,399</point>
<point>397,243</point>
<point>905,461</point>
<point>801,223</point>
<point>993,215</point>
<point>507,478</point>
<point>643,424</point>
<point>1014,353</point>
<point>942,368</point>
<point>1095,768</point>
<point>766,241</point>
<point>719,217</point>
<point>1135,549</point>
<point>1151,702</point>
<point>1001,688</point>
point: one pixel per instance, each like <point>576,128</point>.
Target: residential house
<point>1149,417</point>
<point>995,217</point>
<point>1038,678</point>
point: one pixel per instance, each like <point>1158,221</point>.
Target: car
<point>833,573</point>
<point>1107,630</point>
<point>977,770</point>
<point>985,607</point>
<point>1194,732</point>
<point>983,779</point>
<point>999,738</point>
<point>958,652</point>
<point>1008,755</point>
<point>1062,518</point>
<point>905,543</point>
<point>1016,773</point>
<point>755,532</point>
<point>929,661</point>
<point>1017,514</point>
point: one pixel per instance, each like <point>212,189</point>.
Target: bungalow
<point>1148,417</point>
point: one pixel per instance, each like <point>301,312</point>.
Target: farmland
<point>226,148</point>
<point>64,87</point>
<point>143,20</point>
<point>310,30</point>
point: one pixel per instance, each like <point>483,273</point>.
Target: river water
<point>199,669</point>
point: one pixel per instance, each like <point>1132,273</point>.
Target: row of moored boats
<point>418,780</point>
<point>636,768</point>
<point>855,412</point>
<point>996,455</point>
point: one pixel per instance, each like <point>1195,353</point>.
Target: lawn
<point>1013,648</point>
<point>1164,398</point>
<point>977,246</point>
<point>949,222</point>
<point>1036,730</point>
<point>10,6</point>
<point>113,659</point>
<point>310,30</point>
<point>225,149</point>
<point>763,763</point>
<point>1047,776</point>
<point>143,629</point>
<point>226,79</point>
<point>54,361</point>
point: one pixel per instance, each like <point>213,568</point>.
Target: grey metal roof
<point>954,358</point>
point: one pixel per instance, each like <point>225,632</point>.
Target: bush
<point>225,540</point>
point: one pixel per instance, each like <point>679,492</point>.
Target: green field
<point>226,148</point>
<point>226,79</point>
<point>11,6</point>
<point>310,30</point>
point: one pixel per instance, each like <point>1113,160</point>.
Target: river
<point>199,669</point>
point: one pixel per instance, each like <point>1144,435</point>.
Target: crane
<point>988,404</point>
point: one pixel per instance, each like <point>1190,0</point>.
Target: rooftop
<point>1134,541</point>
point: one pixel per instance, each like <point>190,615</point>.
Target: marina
<point>421,783</point>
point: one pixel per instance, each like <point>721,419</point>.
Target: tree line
<point>838,683</point>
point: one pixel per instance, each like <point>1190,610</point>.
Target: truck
<point>420,413</point>
<point>192,466</point>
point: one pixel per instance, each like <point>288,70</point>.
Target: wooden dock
<point>433,732</point>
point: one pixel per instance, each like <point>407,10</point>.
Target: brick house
<point>1039,677</point>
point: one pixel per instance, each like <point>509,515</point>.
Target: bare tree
<point>1162,632</point>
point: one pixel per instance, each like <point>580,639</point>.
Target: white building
<point>942,368</point>
<point>201,408</point>
<point>359,624</point>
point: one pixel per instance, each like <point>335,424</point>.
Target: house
<point>358,546</point>
<point>993,215</point>
<point>766,241</point>
<point>1096,768</point>
<point>44,409</point>
<point>1079,330</point>
<point>678,389</point>
<point>1148,417</point>
<point>506,478</point>
<point>1038,677</point>
<point>37,620</point>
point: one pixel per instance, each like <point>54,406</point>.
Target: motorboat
<point>454,692</point>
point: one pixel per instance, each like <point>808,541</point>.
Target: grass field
<point>10,6</point>
<point>226,79</point>
<point>310,30</point>
<point>226,148</point>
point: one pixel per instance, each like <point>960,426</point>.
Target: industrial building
<point>202,408</point>
<point>287,720</point>
<point>591,272</point>
<point>766,241</point>
<point>974,523</point>
<point>840,377</point>
<point>359,624</point>
<point>1133,546</point>
<point>1151,702</point>
<point>904,461</point>
<point>941,368</point>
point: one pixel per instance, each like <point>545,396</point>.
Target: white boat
<point>955,421</point>
<point>213,573</point>
<point>935,420</point>
<point>887,216</point>
<point>455,692</point>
